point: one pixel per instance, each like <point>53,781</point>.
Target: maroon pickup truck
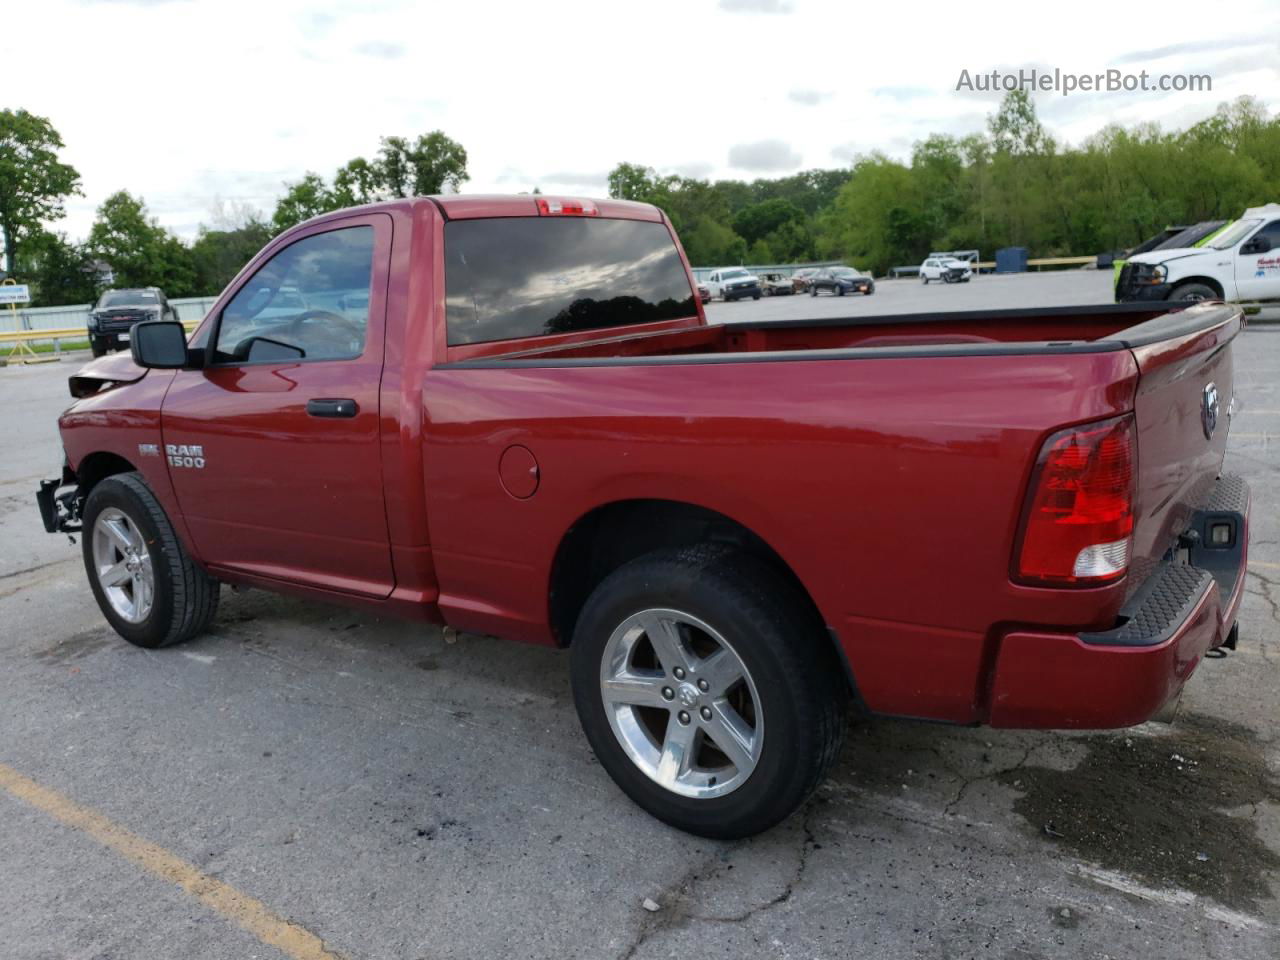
<point>509,415</point>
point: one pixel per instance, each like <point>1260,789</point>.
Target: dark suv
<point>117,311</point>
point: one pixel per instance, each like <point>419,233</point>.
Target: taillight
<point>551,207</point>
<point>1078,526</point>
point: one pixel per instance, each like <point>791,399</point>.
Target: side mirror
<point>1257,244</point>
<point>161,344</point>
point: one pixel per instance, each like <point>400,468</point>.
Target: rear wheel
<point>708,689</point>
<point>145,582</point>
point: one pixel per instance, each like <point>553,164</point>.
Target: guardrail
<point>990,265</point>
<point>22,339</point>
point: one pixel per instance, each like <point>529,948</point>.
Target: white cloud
<point>757,6</point>
<point>238,111</point>
<point>764,156</point>
<point>808,98</point>
<point>381,49</point>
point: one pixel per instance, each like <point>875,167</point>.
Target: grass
<point>7,354</point>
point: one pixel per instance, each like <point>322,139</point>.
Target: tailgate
<point>1182,412</point>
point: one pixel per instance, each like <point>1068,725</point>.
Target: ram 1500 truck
<point>508,415</point>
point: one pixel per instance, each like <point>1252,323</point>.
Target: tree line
<point>1011,184</point>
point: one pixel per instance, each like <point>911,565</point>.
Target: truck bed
<point>1071,329</point>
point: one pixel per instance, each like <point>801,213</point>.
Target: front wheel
<point>145,582</point>
<point>924,279</point>
<point>1195,292</point>
<point>708,689</point>
<point>97,347</point>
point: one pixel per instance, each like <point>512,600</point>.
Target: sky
<point>192,103</point>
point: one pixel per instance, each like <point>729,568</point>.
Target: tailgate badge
<point>1209,409</point>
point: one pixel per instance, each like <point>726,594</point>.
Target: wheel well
<point>1209,282</point>
<point>616,533</point>
<point>96,467</point>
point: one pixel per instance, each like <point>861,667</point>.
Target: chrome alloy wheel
<point>123,565</point>
<point>681,703</point>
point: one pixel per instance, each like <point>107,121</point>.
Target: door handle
<point>340,407</point>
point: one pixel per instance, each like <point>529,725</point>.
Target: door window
<point>308,302</point>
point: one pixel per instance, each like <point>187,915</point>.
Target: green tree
<point>357,183</point>
<point>631,181</point>
<point>754,222</point>
<point>218,255</point>
<point>141,252</point>
<point>60,271</point>
<point>33,181</point>
<point>428,165</point>
<point>307,198</point>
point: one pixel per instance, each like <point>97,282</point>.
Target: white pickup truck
<point>1240,265</point>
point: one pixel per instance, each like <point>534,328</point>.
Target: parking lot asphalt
<point>309,782</point>
<point>909,295</point>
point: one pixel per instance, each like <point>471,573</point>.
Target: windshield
<point>128,298</point>
<point>734,274</point>
<point>844,272</point>
<point>1234,234</point>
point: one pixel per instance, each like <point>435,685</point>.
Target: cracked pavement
<point>406,797</point>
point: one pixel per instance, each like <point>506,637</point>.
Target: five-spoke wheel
<point>681,702</point>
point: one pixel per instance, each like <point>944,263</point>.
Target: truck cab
<point>1239,265</point>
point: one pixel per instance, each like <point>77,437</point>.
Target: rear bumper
<point>1123,676</point>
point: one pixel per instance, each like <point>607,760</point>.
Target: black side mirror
<point>161,344</point>
<point>1258,244</point>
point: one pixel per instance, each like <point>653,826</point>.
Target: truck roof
<point>473,206</point>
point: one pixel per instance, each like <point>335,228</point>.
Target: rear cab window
<point>517,277</point>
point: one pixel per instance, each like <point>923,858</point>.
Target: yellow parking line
<point>1269,566</point>
<point>250,914</point>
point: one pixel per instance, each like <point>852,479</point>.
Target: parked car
<point>841,280</point>
<point>1171,238</point>
<point>776,285</point>
<point>116,311</point>
<point>704,294</point>
<point>800,279</point>
<point>728,525</point>
<point>1241,264</point>
<point>734,283</point>
<point>946,269</point>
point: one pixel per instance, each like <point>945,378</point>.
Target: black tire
<point>813,291</point>
<point>776,633</point>
<point>1195,291</point>
<point>97,347</point>
<point>755,296</point>
<point>871,289</point>
<point>924,279</point>
<point>840,290</point>
<point>185,597</point>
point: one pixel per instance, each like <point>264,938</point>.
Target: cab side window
<point>1272,232</point>
<point>308,302</point>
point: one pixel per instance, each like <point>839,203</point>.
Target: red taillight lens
<point>552,207</point>
<point>1078,526</point>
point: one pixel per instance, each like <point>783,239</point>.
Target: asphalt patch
<point>78,646</point>
<point>1154,807</point>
